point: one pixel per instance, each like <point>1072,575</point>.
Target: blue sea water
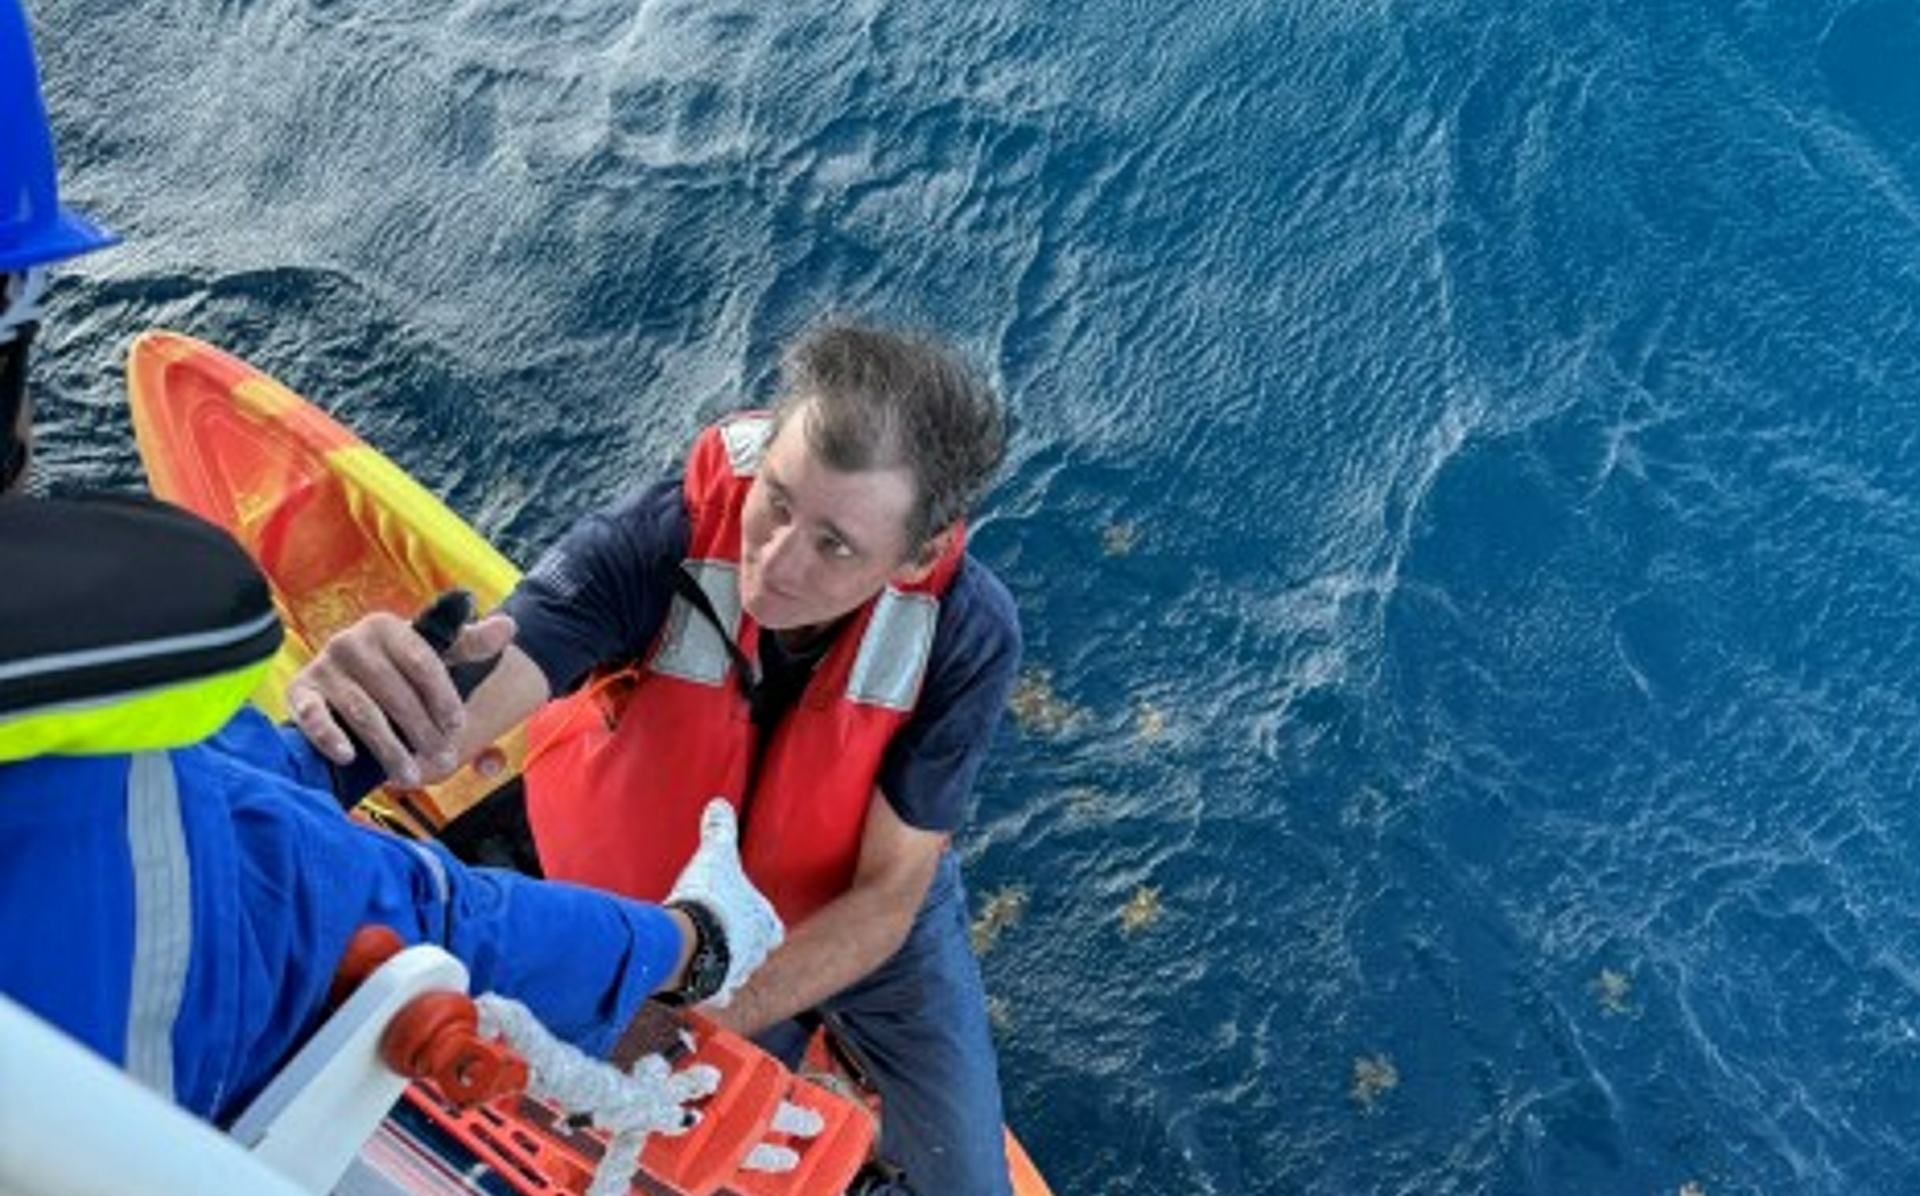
<point>1465,504</point>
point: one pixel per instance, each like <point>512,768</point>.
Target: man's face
<point>816,543</point>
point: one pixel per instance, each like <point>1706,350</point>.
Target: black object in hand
<point>441,622</point>
<point>440,626</point>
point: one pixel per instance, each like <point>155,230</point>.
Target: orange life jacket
<point>619,771</point>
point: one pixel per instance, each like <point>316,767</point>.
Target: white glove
<point>714,879</point>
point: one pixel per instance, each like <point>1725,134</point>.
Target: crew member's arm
<point>852,935</point>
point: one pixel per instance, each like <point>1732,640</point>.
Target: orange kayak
<point>341,531</point>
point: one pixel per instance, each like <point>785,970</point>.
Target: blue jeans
<point>918,1025</point>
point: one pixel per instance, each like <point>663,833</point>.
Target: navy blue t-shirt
<point>600,596</point>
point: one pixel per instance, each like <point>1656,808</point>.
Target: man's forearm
<point>842,943</point>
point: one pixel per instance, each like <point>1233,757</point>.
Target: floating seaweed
<point>1037,708</point>
<point>1088,801</point>
<point>1373,1077</point>
<point>1149,722</point>
<point>999,1013</point>
<point>1002,910</point>
<point>1119,539</point>
<point>1142,909</point>
<point>1614,991</point>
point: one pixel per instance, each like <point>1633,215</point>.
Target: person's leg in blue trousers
<point>918,1025</point>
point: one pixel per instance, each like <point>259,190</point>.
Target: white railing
<point>72,1124</point>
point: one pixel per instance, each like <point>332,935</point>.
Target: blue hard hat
<point>34,228</point>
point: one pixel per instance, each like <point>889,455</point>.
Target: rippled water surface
<point>1464,500</point>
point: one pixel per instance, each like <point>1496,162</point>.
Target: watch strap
<point>707,969</point>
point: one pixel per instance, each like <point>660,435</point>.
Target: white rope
<point>630,1106</point>
<point>651,1099</point>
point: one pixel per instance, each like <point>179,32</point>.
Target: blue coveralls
<point>182,913</point>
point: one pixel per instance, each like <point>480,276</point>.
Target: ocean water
<point>1465,503</point>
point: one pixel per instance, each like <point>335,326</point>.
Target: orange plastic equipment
<point>473,1091</point>
<point>828,1160</point>
<point>540,1152</point>
<point>338,528</point>
<point>435,1036</point>
<point>370,946</point>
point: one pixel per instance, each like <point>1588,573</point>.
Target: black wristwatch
<point>707,970</point>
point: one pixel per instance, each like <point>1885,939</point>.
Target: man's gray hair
<point>885,399</point>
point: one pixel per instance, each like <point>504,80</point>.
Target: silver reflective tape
<point>746,441</point>
<point>162,918</point>
<point>691,648</point>
<point>893,652</point>
<point>437,868</point>
<point>144,650</point>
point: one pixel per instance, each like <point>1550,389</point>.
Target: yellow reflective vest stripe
<point>167,716</point>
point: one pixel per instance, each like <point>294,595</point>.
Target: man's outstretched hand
<point>383,681</point>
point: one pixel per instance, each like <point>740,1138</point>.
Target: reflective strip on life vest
<point>162,918</point>
<point>887,672</point>
<point>746,442</point>
<point>894,651</point>
<point>690,645</point>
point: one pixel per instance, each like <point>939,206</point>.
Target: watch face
<point>707,970</point>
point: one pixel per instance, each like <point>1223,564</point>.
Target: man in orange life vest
<point>794,624</point>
